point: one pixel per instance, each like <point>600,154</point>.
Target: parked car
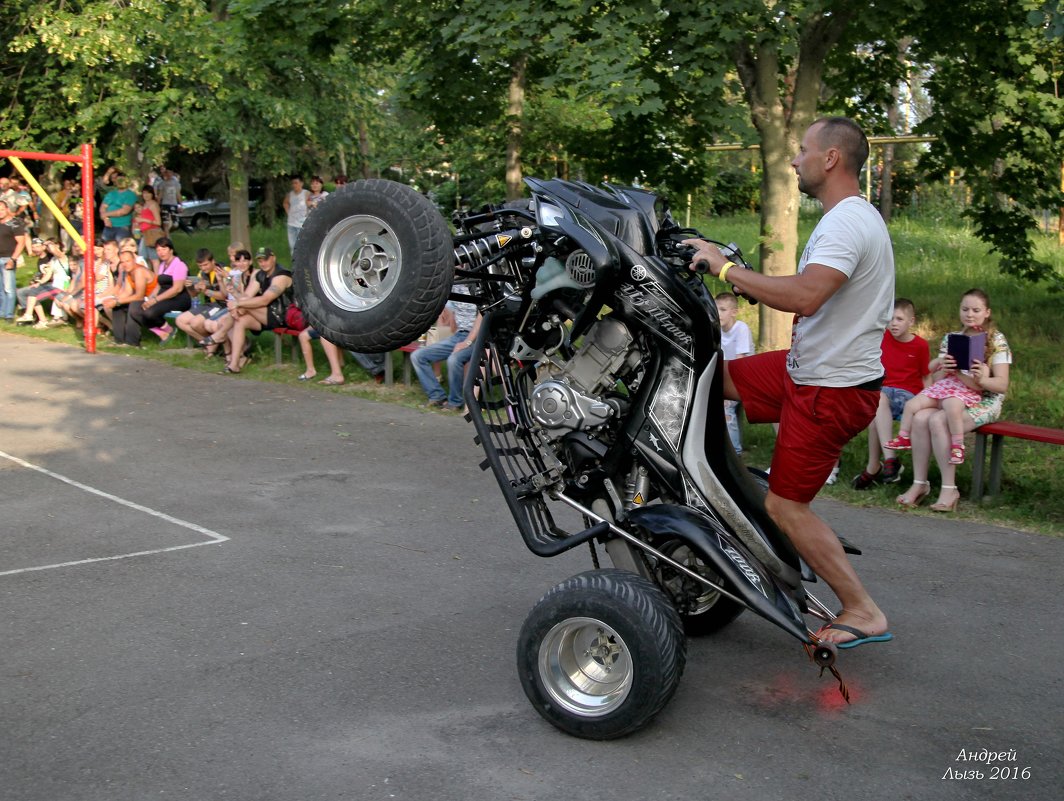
<point>199,215</point>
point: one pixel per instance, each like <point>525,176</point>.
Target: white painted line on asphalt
<point>214,536</point>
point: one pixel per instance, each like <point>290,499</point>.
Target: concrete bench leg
<point>978,459</point>
<point>389,377</point>
<point>278,354</point>
<point>996,445</point>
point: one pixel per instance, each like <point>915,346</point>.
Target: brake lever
<point>732,253</point>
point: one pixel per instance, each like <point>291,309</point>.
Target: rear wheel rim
<point>675,581</point>
<point>585,666</point>
<point>359,263</point>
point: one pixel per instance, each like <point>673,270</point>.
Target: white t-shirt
<point>737,342</point>
<point>839,346</point>
<point>169,191</point>
<point>297,208</point>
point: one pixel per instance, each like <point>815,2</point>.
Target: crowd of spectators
<point>143,287</point>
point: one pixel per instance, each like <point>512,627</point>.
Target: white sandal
<point>947,507</point>
<point>919,498</point>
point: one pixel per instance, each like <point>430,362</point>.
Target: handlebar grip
<point>701,266</point>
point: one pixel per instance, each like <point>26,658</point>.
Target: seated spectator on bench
<point>75,289</point>
<point>136,283</point>
<point>372,363</point>
<point>108,277</point>
<point>169,294</point>
<point>261,310</point>
<point>461,317</point>
<point>235,281</point>
<point>905,373</point>
<point>976,396</point>
<point>74,305</point>
<point>208,289</point>
<point>53,277</point>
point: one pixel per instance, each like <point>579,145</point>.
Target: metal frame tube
<point>88,236</point>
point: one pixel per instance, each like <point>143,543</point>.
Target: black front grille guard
<point>511,451</point>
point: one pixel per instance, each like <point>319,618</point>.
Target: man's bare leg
<point>823,552</point>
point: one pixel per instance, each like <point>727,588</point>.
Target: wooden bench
<point>998,431</point>
<point>171,319</point>
<point>278,337</point>
<point>389,377</point>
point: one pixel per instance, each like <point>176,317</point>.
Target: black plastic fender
<point>743,575</point>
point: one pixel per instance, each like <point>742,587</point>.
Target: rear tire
<point>373,266</point>
<point>702,610</point>
<point>601,654</point>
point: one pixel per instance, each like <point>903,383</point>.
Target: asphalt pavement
<point>212,588</point>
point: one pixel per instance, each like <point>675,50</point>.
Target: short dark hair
<point>904,304</point>
<point>847,136</point>
<point>242,254</point>
<point>204,254</point>
<point>165,241</point>
<point>148,188</point>
<point>727,296</point>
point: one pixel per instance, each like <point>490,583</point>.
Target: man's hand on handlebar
<point>707,257</point>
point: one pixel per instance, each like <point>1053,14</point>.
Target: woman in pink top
<point>169,295</point>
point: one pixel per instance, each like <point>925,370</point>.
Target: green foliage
<point>1006,129</point>
<point>733,191</point>
<point>250,80</point>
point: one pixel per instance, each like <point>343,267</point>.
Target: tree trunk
<point>51,183</point>
<point>363,148</point>
<point>886,178</point>
<point>239,218</point>
<point>514,112</point>
<point>782,106</point>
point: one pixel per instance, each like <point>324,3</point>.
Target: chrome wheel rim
<point>675,583</point>
<point>359,263</point>
<point>585,666</point>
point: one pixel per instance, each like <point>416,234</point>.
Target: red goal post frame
<point>86,241</point>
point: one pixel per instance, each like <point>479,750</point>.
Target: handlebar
<point>671,246</point>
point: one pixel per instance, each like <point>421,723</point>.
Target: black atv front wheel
<point>601,654</point>
<point>373,266</point>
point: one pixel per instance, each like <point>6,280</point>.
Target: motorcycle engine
<point>569,398</point>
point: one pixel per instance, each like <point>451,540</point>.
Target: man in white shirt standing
<point>825,389</point>
<point>168,192</point>
<point>295,206</point>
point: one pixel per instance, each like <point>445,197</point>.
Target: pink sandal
<point>956,454</point>
<point>899,443</point>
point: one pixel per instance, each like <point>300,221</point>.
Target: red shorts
<point>815,422</point>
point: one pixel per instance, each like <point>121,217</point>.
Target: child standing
<point>906,373</point>
<point>736,342</point>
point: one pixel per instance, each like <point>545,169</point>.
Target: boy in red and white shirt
<point>905,362</point>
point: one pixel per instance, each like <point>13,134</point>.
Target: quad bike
<point>595,388</point>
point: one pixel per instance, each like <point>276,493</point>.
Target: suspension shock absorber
<point>476,251</point>
<point>637,487</point>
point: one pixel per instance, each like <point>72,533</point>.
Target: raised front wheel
<point>373,266</point>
